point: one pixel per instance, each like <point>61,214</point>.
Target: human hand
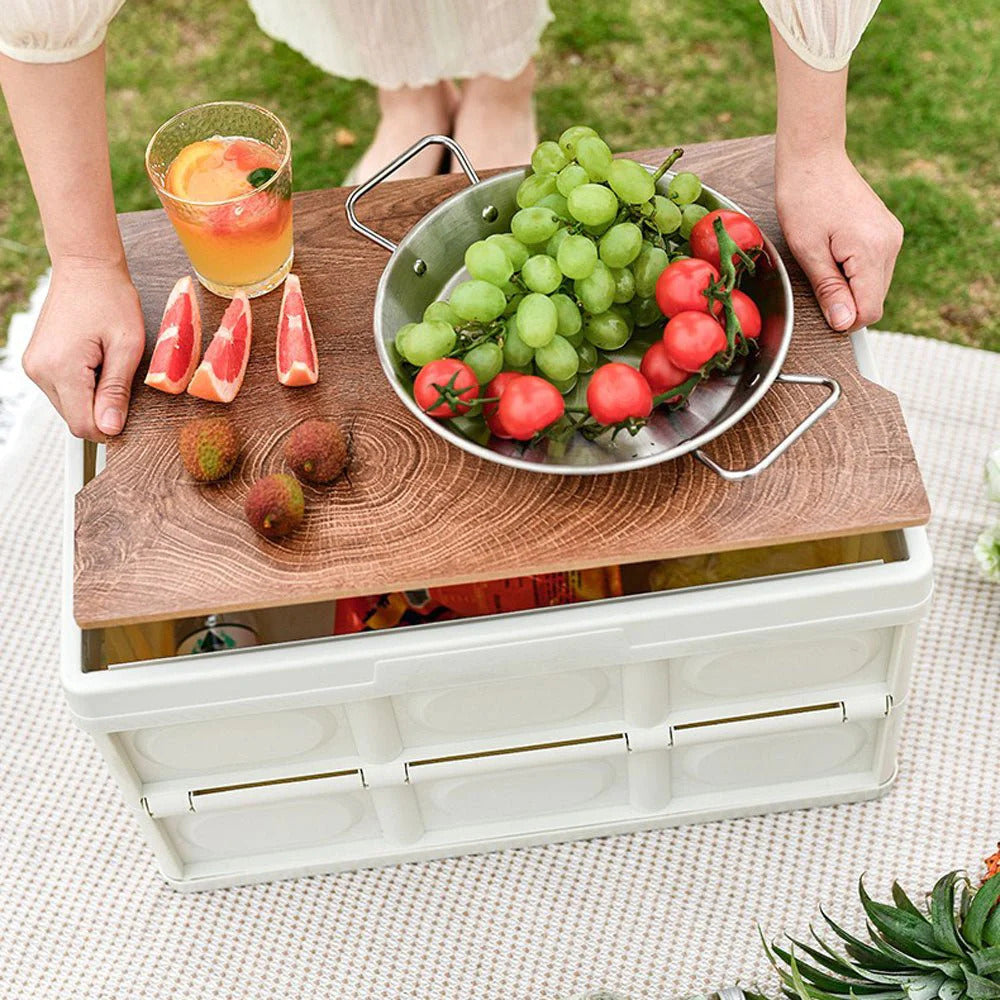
<point>840,232</point>
<point>87,345</point>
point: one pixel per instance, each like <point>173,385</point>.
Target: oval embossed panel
<point>765,760</point>
<point>271,828</point>
<point>527,792</point>
<point>509,704</point>
<point>780,667</point>
<point>247,739</point>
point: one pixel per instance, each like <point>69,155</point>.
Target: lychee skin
<point>316,451</point>
<point>275,505</point>
<point>209,448</point>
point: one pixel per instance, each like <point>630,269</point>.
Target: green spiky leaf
<point>943,914</point>
<point>981,988</point>
<point>912,935</point>
<point>987,961</point>
<point>903,901</point>
<point>863,953</point>
<point>984,901</point>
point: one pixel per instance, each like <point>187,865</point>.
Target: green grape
<point>631,182</point>
<point>626,314</point>
<point>576,339</point>
<point>624,284</point>
<point>541,274</point>
<point>647,269</point>
<point>587,354</point>
<point>428,341</point>
<point>566,385</point>
<point>691,214</point>
<point>478,301</point>
<point>592,204</point>
<point>596,292</point>
<point>533,188</point>
<point>557,360</point>
<point>646,312</point>
<point>577,256</point>
<point>666,215</point>
<point>568,319</point>
<point>534,225</point>
<point>598,231</point>
<point>684,188</point>
<point>594,156</point>
<point>569,139</point>
<point>516,353</point>
<point>557,203</point>
<point>555,241</point>
<point>607,331</point>
<point>401,337</point>
<point>548,158</point>
<point>571,176</point>
<point>488,262</point>
<point>441,312</point>
<point>537,320</point>
<point>621,244</point>
<point>528,369</point>
<point>516,251</point>
<point>486,360</point>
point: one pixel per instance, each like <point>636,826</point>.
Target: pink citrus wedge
<point>220,374</point>
<point>178,344</point>
<point>295,347</point>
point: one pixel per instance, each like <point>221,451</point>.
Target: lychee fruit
<point>275,505</point>
<point>316,451</point>
<point>209,447</point>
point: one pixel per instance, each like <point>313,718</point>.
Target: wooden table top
<point>417,511</point>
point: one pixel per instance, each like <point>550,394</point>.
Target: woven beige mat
<point>84,915</point>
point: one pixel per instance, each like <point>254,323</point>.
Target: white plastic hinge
<point>170,802</point>
<point>384,775</point>
<point>654,738</point>
<point>869,705</point>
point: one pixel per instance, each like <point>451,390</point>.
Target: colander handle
<point>734,475</point>
<point>390,168</point>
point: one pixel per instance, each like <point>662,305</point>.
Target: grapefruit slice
<point>220,374</point>
<point>178,345</point>
<point>295,348</point>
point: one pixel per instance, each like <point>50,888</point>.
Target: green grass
<point>644,74</point>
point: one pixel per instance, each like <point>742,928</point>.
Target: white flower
<point>987,552</point>
<point>993,475</point>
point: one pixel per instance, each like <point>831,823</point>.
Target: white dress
<point>395,43</point>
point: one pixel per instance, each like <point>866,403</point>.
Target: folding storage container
<point>313,753</point>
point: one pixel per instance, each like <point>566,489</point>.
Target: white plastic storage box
<point>651,710</point>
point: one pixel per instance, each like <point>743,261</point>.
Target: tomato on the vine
<point>445,388</point>
<point>528,405</point>
<point>681,286</point>
<point>692,339</point>
<point>495,390</point>
<point>617,392</point>
<point>743,230</point>
<point>660,372</point>
<point>747,313</point>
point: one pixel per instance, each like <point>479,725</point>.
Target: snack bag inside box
<point>472,600</point>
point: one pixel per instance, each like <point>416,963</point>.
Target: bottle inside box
<point>107,647</point>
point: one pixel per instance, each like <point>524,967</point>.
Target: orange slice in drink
<point>193,160</point>
<point>295,347</point>
<point>178,345</point>
<point>220,374</point>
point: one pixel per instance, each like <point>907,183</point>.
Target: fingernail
<point>839,316</point>
<point>112,421</point>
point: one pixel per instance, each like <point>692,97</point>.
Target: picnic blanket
<point>85,916</point>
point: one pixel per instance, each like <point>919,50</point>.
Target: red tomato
<point>740,227</point>
<point>445,388</point>
<point>528,405</point>
<point>747,313</point>
<point>692,339</point>
<point>660,372</point>
<point>681,286</point>
<point>617,392</point>
<point>495,390</point>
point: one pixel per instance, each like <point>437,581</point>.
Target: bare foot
<point>495,124</point>
<point>408,114</point>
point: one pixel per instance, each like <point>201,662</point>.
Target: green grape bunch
<point>573,276</point>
